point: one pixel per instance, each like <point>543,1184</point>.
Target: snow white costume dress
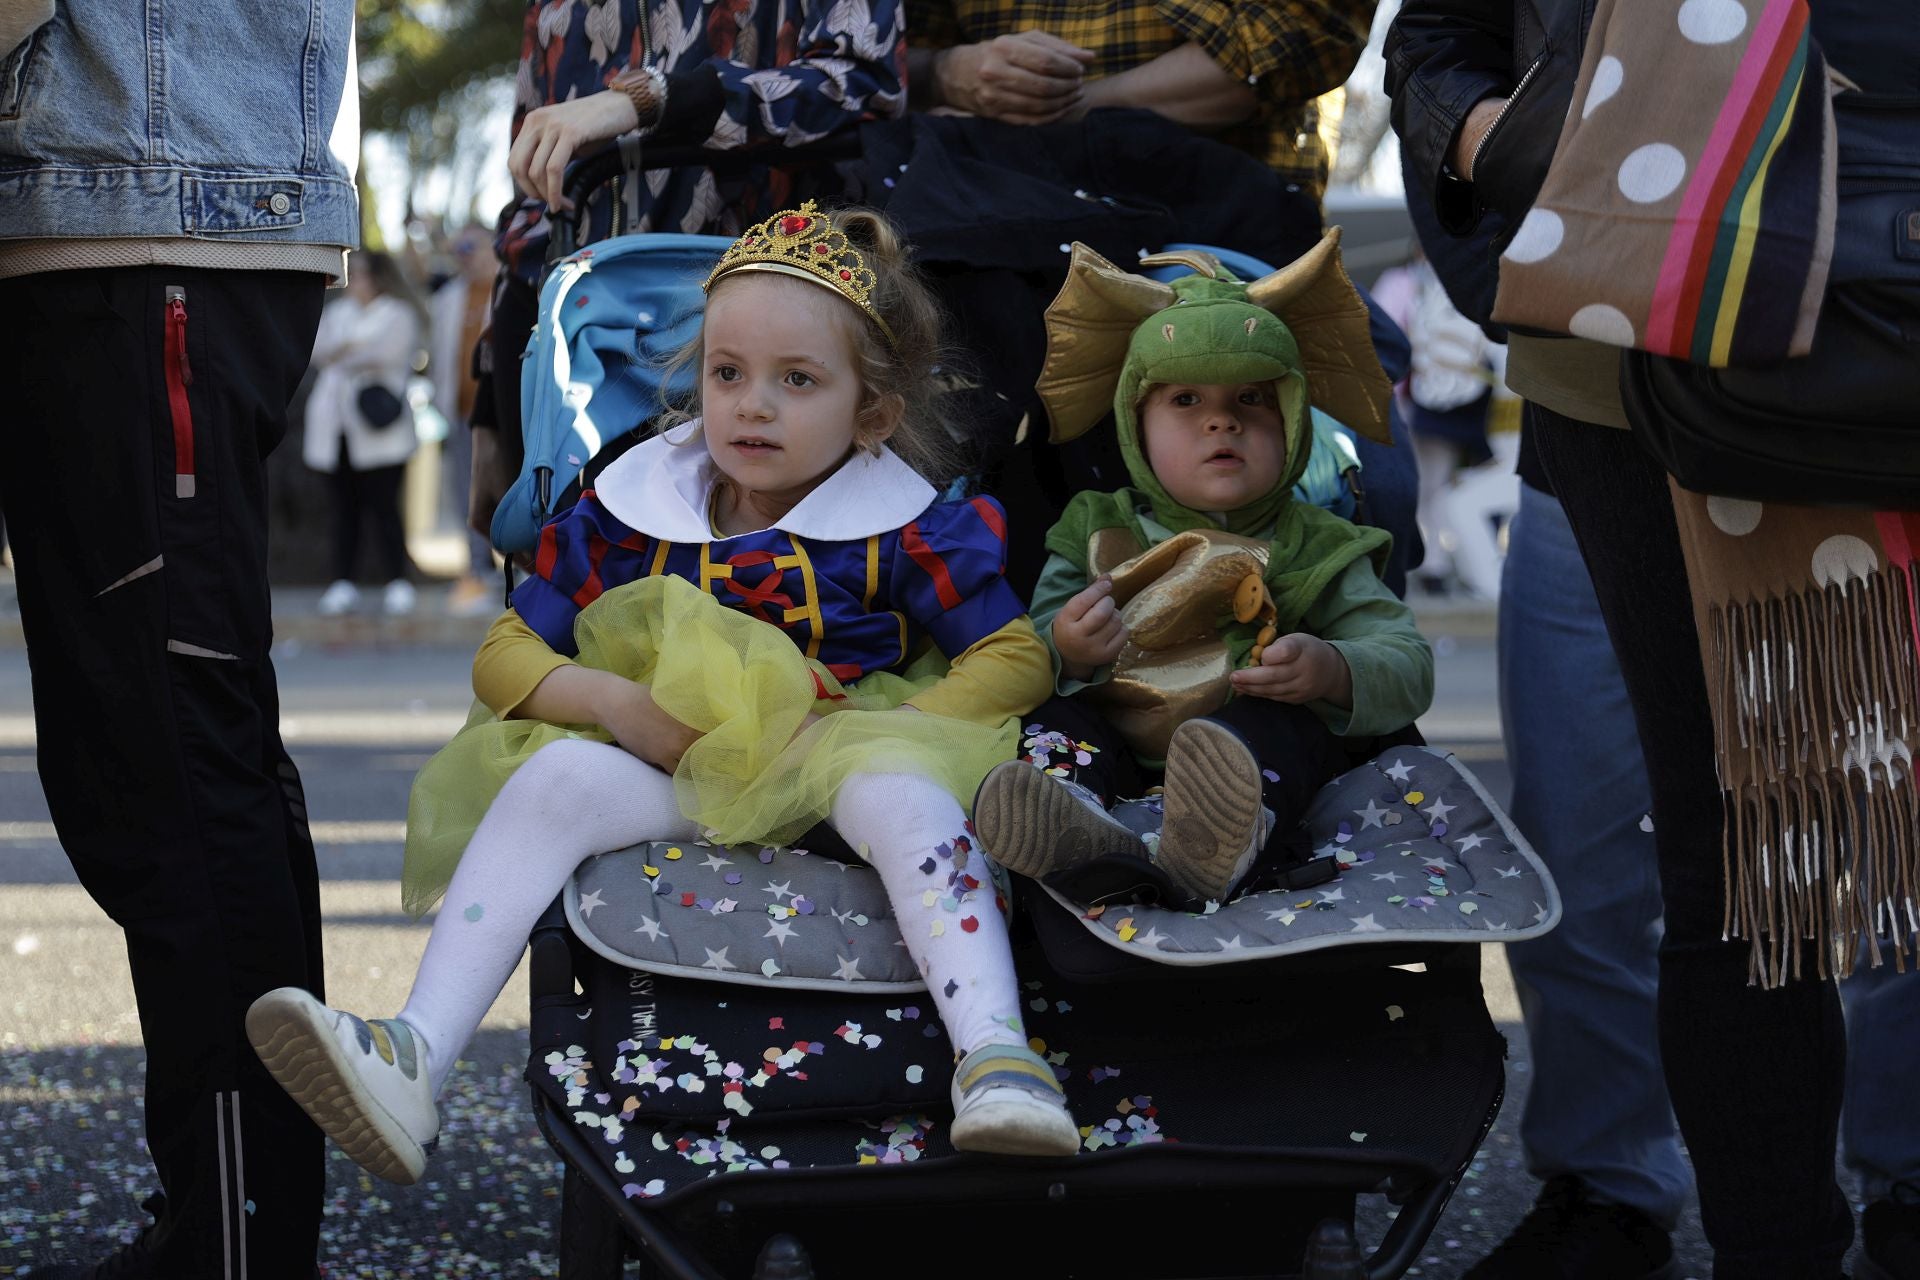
<point>869,594</point>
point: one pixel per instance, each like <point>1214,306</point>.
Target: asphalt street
<point>360,718</point>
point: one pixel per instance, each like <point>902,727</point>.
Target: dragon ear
<point>1197,260</point>
<point>1317,302</point>
<point>1088,328</point>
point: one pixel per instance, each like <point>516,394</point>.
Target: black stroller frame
<point>1282,1207</point>
<point>774,1225</point>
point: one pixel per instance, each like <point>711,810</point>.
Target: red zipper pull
<point>177,331</point>
<point>178,374</point>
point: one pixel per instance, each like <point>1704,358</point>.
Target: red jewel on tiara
<point>793,225</point>
<point>819,248</point>
<point>846,275</point>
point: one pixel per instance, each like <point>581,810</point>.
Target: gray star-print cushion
<point>749,915</point>
<point>1424,854</point>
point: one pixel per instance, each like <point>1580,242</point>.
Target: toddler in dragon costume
<point>1210,631</point>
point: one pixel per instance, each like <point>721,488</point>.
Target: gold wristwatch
<point>646,89</point>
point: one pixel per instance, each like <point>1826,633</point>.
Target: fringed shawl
<point>1810,633</point>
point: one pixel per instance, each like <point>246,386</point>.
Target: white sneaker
<point>397,601</point>
<point>364,1083</point>
<point>1007,1101</point>
<point>338,598</point>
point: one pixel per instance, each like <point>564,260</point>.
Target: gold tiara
<point>804,242</point>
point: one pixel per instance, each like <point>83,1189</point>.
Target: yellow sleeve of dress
<point>510,664</point>
<point>1008,673</point>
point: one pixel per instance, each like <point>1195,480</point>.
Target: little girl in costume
<point>1204,622</point>
<point>760,619</point>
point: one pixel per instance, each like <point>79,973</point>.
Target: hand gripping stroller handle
<point>588,174</point>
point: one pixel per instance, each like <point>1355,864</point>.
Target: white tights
<point>574,799</point>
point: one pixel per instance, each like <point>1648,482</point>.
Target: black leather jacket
<point>1443,56</point>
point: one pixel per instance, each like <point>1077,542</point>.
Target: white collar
<point>661,487</point>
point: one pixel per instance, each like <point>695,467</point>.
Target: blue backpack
<point>611,317</point>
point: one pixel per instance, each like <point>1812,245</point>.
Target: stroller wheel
<point>1333,1254</point>
<point>592,1244</point>
<point>783,1258</point>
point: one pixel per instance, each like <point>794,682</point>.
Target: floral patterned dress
<point>738,72</point>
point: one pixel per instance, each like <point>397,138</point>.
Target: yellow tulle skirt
<point>746,688</point>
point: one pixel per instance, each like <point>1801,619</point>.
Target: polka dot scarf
<point>1809,625</point>
<point>1689,208</point>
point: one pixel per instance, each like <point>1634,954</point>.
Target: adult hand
<point>1298,667</point>
<point>1028,77</point>
<point>1472,131</point>
<point>637,723</point>
<point>1088,632</point>
<point>550,137</point>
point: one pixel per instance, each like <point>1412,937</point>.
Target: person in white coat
<point>359,426</point>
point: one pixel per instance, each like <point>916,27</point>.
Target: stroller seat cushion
<point>743,915</point>
<point>1424,856</point>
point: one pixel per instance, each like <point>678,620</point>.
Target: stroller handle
<point>632,155</point>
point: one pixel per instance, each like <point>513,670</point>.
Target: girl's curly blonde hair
<point>915,366</point>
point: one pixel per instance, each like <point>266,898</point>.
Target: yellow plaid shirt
<point>1291,51</point>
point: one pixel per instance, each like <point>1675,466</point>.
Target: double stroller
<point>744,1076</point>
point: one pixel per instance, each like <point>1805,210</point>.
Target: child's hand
<point>1087,632</point>
<point>1298,668</point>
<point>637,723</point>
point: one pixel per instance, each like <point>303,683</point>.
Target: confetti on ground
<point>73,1170</point>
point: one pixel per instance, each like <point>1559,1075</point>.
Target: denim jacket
<point>169,118</point>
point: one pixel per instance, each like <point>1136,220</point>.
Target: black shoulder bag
<point>378,406</point>
<point>1839,426</point>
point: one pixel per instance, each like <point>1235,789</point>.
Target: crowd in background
<point>391,391</point>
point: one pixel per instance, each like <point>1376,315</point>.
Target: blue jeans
<point>1880,1121</point>
<point>1597,1106</point>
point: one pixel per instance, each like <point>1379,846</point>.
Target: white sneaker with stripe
<point>364,1083</point>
